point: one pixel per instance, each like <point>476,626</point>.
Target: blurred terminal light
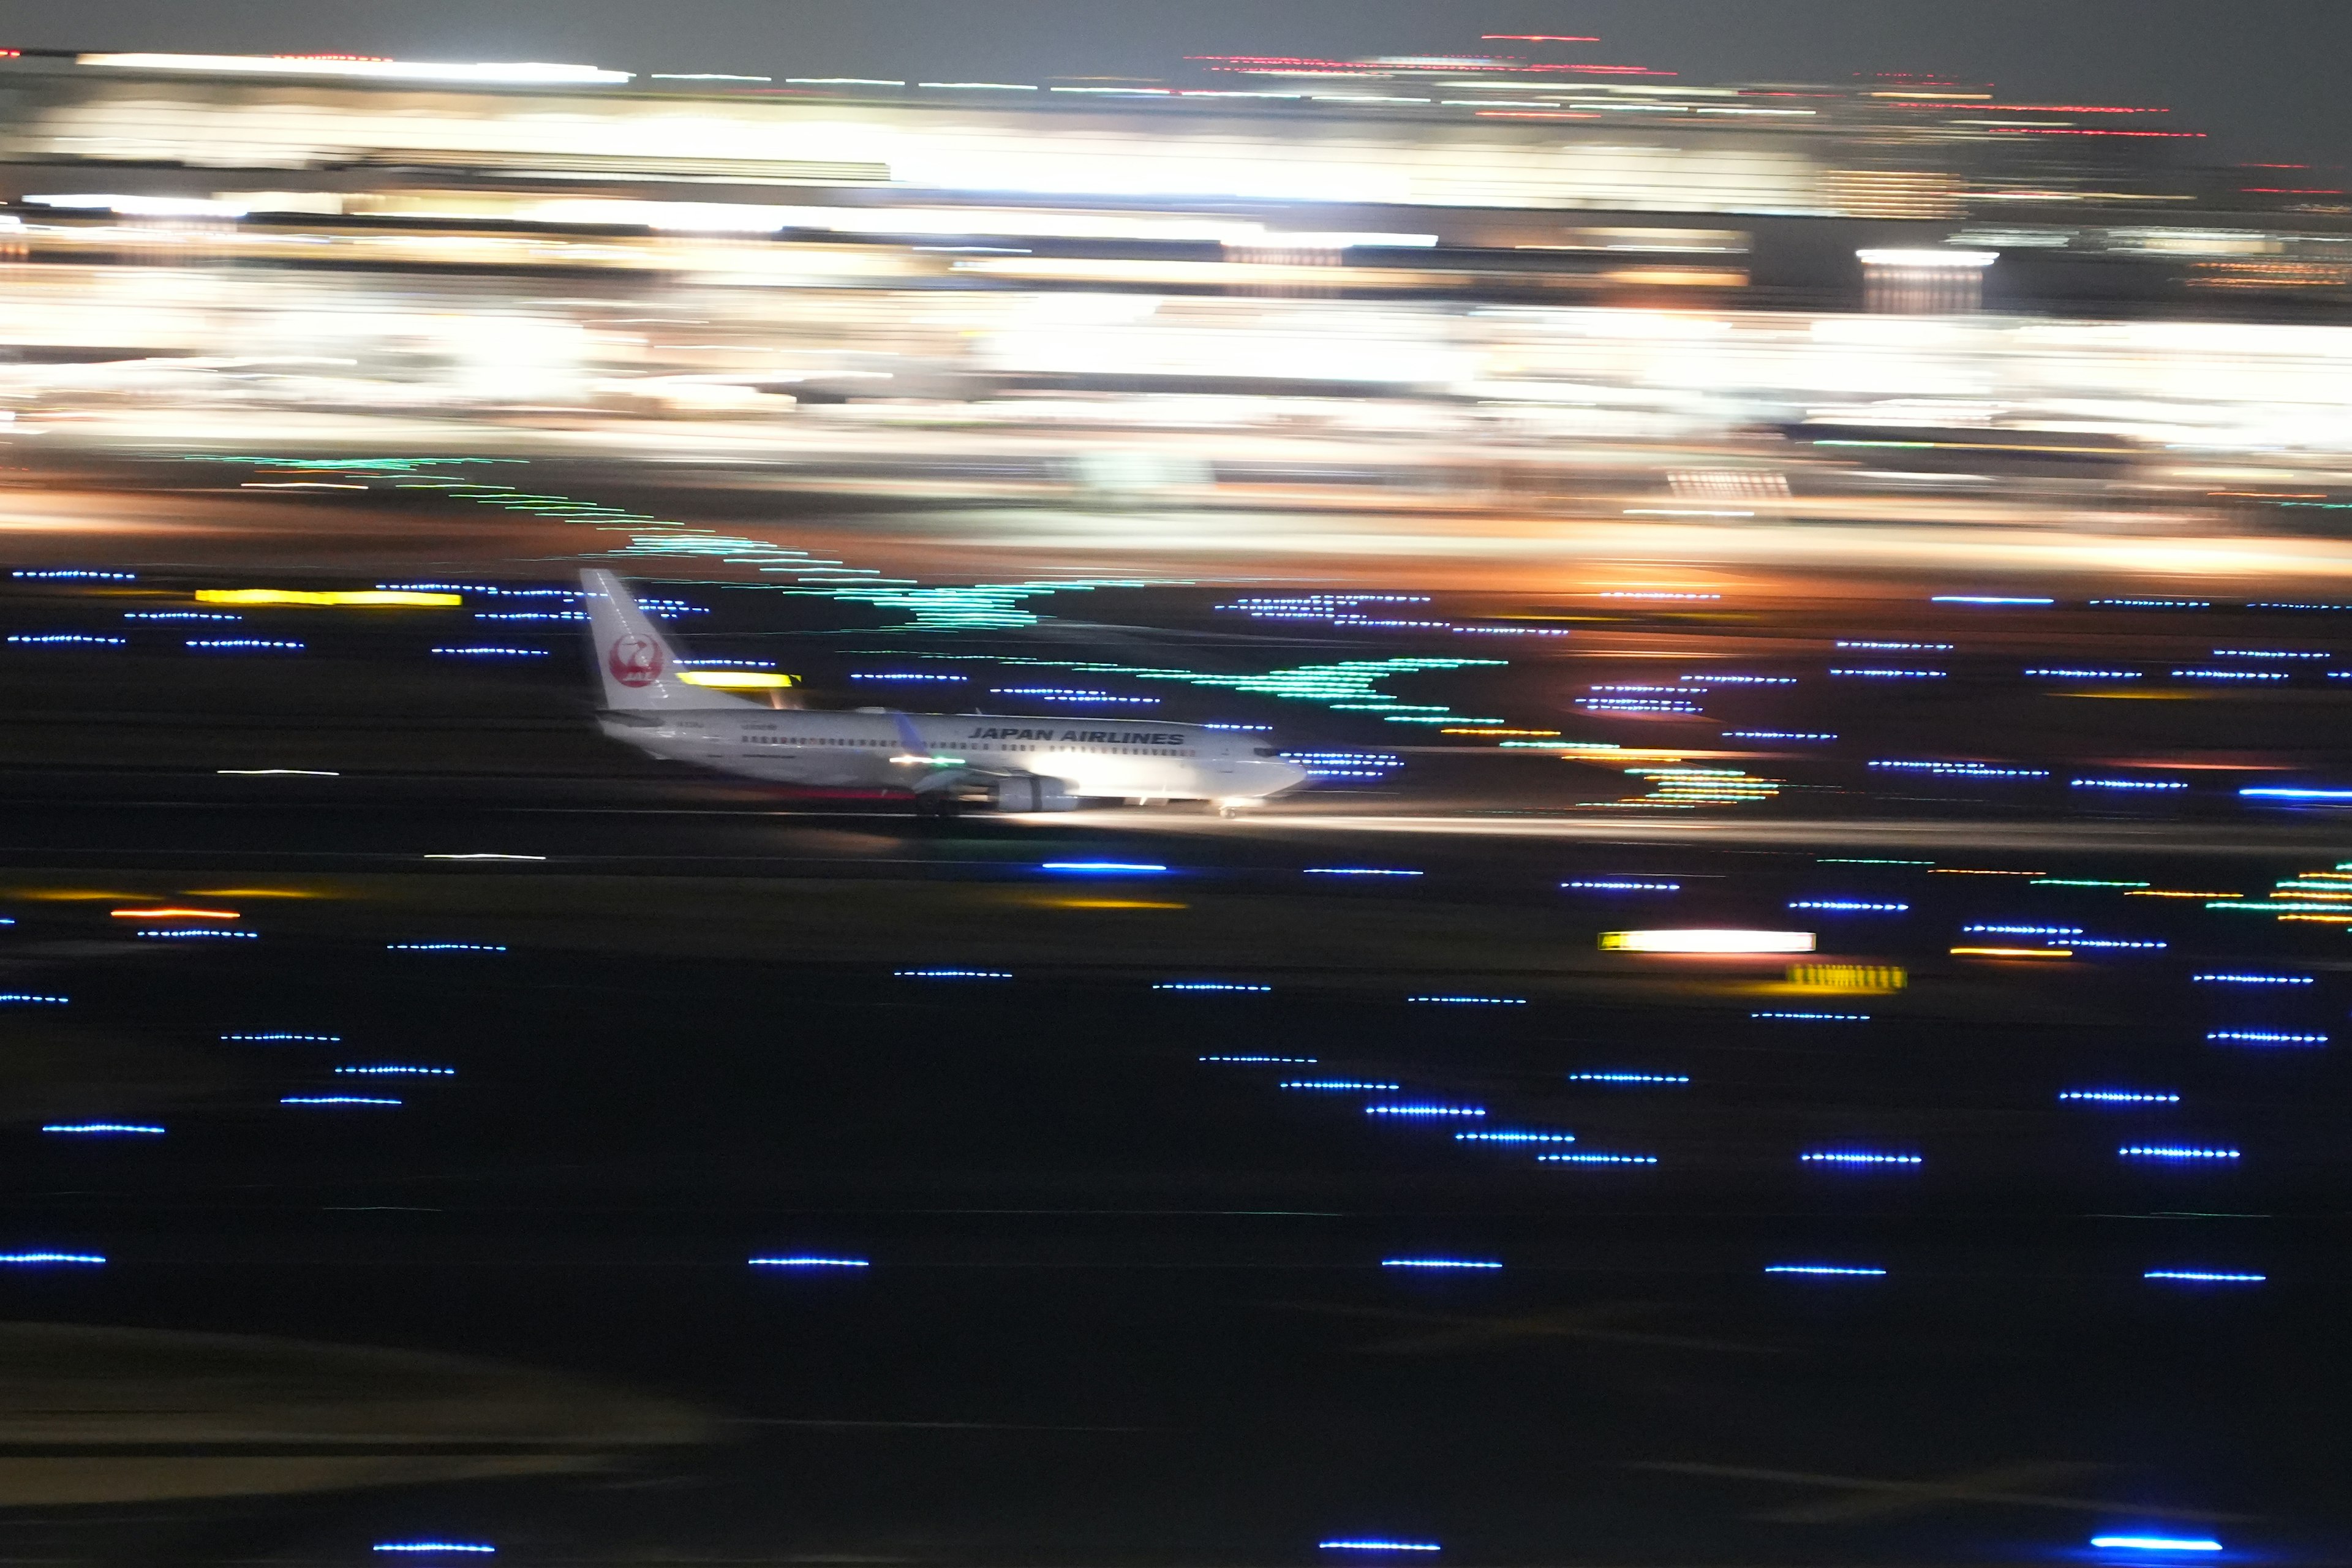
<point>515,73</point>
<point>1706,941</point>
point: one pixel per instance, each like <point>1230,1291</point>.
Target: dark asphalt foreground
<point>1121,1305</point>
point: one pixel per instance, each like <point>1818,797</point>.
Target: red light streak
<point>2038,108</point>
<point>2008,132</point>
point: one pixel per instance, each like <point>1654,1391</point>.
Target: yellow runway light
<point>176,914</point>
<point>2013,953</point>
<point>737,680</point>
<point>1707,941</point>
<point>364,598</point>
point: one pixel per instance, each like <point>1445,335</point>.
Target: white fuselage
<point>1102,758</point>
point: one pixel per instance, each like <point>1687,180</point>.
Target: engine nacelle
<point>1030,792</point>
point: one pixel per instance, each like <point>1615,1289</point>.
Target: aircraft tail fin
<point>634,660</point>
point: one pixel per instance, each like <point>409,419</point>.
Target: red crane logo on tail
<point>634,660</point>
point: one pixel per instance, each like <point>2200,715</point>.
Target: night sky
<point>2262,77</point>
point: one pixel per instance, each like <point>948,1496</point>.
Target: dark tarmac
<point>1120,1305</point>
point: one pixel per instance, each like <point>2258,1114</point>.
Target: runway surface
<point>2008,1213</point>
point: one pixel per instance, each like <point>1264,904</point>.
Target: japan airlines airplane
<point>1012,765</point>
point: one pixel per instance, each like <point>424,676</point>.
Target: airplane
<point>1006,764</point>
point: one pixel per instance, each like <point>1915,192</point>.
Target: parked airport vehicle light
<point>1706,941</point>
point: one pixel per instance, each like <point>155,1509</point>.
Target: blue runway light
<point>1846,1157</point>
<point>476,1547</point>
<point>441,947</point>
<point>1815,1017</point>
<point>808,1262</point>
<point>2204,1277</point>
<point>477,652</point>
<point>1340,1084</point>
<point>277,1038</point>
<point>335,1100</point>
<point>1848,907</point>
<point>2229,675</point>
<point>2251,980</point>
<point>1666,1077</point>
<point>2155,603</point>
<point>2261,1038</point>
<point>177,616</point>
<point>2066,674</point>
<point>34,1259</point>
<point>1514,1137</point>
<point>1355,871</point>
<point>1436,1263</point>
<point>2120,1096</point>
<point>2265,653</point>
<point>68,639</point>
<point>1625,887</point>
<point>233,644</point>
<point>2153,1543</point>
<point>1472,1001</point>
<point>1772,735</point>
<point>2262,605</point>
<point>1381,1545</point>
<point>1961,770</point>
<point>1207,985</point>
<point>2021,931</point>
<point>899,676</point>
<point>2174,1151</point>
<point>172,932</point>
<point>1985,599</point>
<point>1103,868</point>
<point>103,1128</point>
<point>1597,1159</point>
<point>2279,793</point>
<point>1900,646</point>
<point>71,574</point>
<point>1424,1111</point>
<point>950,974</point>
<point>2116,944</point>
<point>571,615</point>
<point>399,1072</point>
<point>2122,783</point>
<point>1823,1269</point>
<point>1259,1061</point>
<point>27,998</point>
